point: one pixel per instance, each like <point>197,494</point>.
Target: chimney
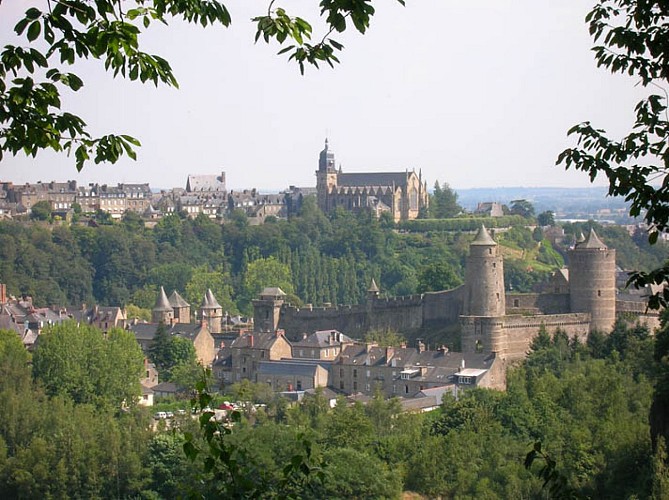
<point>462,364</point>
<point>421,346</point>
<point>251,340</point>
<point>390,352</point>
<point>304,336</point>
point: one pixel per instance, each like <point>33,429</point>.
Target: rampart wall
<point>537,303</point>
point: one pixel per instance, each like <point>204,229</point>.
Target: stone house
<point>323,344</point>
<point>405,372</point>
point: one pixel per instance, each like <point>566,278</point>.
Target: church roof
<point>372,179</point>
<point>483,238</point>
<point>177,300</point>
<point>162,304</point>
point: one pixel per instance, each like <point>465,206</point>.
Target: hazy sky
<point>476,94</point>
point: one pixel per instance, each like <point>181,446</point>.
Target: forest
<point>313,258</point>
<point>63,432</point>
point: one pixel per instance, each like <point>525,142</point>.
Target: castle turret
<point>484,278</point>
<point>484,303</point>
<point>211,312</point>
<point>373,291</point>
<point>267,309</point>
<point>592,282</point>
<point>162,312</point>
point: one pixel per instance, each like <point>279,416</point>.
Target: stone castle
<point>485,317</point>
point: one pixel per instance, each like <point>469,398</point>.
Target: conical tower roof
<point>373,287</point>
<point>177,300</point>
<point>483,238</point>
<point>210,301</point>
<point>593,242</point>
<point>162,303</point>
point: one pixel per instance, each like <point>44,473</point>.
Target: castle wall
<point>351,320</point>
<point>638,311</point>
<point>520,330</point>
<point>537,303</point>
<point>443,307</point>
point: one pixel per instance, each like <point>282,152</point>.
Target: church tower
<point>484,306</point>
<point>162,312</point>
<point>326,176</point>
<point>592,282</point>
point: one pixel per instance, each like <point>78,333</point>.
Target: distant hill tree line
<point>315,259</point>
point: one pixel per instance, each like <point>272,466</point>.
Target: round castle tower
<point>484,278</point>
<point>592,282</point>
<point>483,308</point>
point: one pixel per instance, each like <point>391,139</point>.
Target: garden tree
<point>384,338</point>
<point>41,211</point>
<point>444,202</point>
<point>172,355</point>
<point>437,276</point>
<point>33,75</point>
<point>546,218</point>
<point>134,312</point>
<point>523,208</point>
<point>77,361</point>
<point>632,39</point>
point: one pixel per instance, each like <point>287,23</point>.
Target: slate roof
<point>205,183</point>
<point>274,291</point>
<point>162,303</point>
<point>146,331</point>
<point>592,242</point>
<point>322,339</point>
<point>177,300</point>
<point>210,301</point>
<point>372,179</point>
<point>483,238</point>
<point>287,369</point>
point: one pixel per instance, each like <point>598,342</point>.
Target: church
<point>401,194</point>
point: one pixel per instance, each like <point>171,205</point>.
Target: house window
<point>599,293</point>
<point>262,354</point>
<point>368,387</point>
<point>406,389</point>
<point>516,303</point>
<point>355,385</point>
<point>464,380</point>
<point>299,385</point>
<point>341,373</point>
<point>244,369</point>
<point>368,374</point>
<point>355,373</point>
<point>341,385</point>
<point>394,388</point>
<point>301,353</point>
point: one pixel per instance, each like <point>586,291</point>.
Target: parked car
<point>161,415</point>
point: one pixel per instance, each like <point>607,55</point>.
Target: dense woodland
<point>62,433</point>
<point>313,258</point>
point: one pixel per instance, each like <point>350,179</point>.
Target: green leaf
<point>34,30</point>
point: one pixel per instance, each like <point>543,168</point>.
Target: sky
<point>474,94</point>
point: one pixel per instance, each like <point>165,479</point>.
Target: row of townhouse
<point>331,359</point>
<point>62,196</point>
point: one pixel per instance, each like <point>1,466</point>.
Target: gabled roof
<point>323,338</point>
<point>256,340</point>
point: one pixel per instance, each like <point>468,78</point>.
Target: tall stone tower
<point>267,309</point>
<point>162,312</point>
<point>484,277</point>
<point>484,301</point>
<point>326,176</point>
<point>211,312</point>
<point>592,282</point>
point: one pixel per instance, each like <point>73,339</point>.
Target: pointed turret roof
<point>162,303</point>
<point>177,300</point>
<point>593,242</point>
<point>372,287</point>
<point>210,301</point>
<point>483,238</point>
